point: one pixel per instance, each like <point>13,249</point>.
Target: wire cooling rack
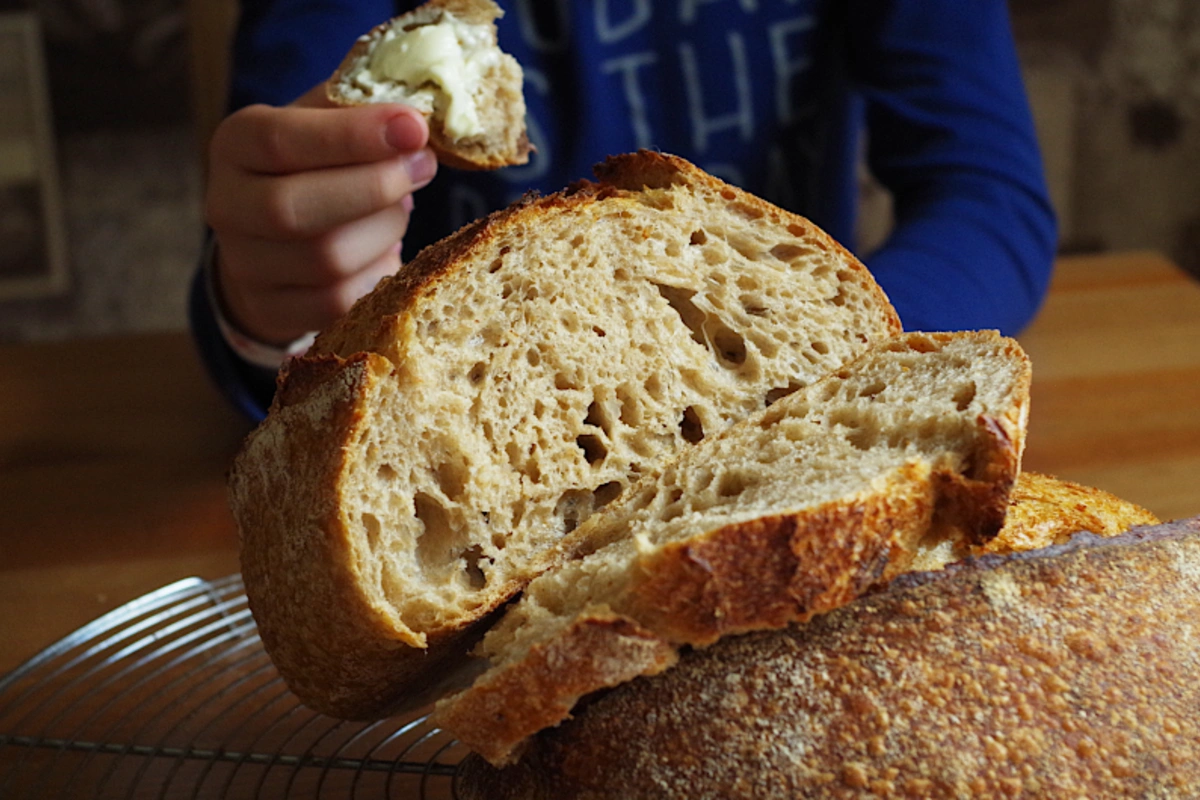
<point>172,696</point>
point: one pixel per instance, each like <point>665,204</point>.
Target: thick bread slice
<point>792,512</point>
<point>1064,672</point>
<point>478,121</point>
<point>420,463</point>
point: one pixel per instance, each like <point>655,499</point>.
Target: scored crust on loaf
<point>1064,672</point>
<point>790,513</point>
<point>419,464</point>
<point>498,95</point>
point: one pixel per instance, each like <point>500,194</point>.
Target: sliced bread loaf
<point>1063,672</point>
<point>443,59</point>
<point>790,513</point>
<point>419,465</point>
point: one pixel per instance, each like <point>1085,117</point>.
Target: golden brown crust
<point>1046,510</point>
<point>1067,672</point>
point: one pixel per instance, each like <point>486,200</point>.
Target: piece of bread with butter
<point>420,463</point>
<point>443,59</point>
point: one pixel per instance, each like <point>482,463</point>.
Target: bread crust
<point>1063,672</point>
<point>342,651</point>
<point>505,82</point>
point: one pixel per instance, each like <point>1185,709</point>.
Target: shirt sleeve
<point>282,48</point>
<point>950,134</point>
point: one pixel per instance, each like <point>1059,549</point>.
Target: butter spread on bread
<point>443,59</point>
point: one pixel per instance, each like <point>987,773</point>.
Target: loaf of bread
<point>1063,672</point>
<point>443,59</point>
<point>792,512</point>
<point>419,465</point>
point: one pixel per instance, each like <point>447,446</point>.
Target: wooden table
<point>1116,380</point>
<point>113,451</point>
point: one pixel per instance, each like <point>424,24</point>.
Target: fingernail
<point>421,167</point>
<point>404,133</point>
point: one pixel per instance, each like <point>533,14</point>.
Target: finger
<point>277,141</point>
<point>308,204</point>
<point>285,314</point>
<point>327,259</point>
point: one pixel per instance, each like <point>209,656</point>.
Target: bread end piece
<point>473,82</point>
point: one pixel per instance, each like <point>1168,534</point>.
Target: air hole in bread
<point>728,194</point>
<point>593,447</point>
<point>472,568</point>
<point>788,252</point>
<point>386,473</point>
<point>597,415</point>
<point>746,246</point>
<point>573,506</point>
<point>438,540</point>
<point>599,331</point>
<point>964,396</point>
<point>605,493</point>
<point>452,479</point>
<point>533,357</point>
<point>373,529</point>
<point>733,483</point>
<point>746,210</point>
<point>780,392</point>
<point>820,347</point>
<point>797,230</point>
<point>753,304</point>
<point>564,383</point>
<point>496,266</point>
<point>872,390</point>
<point>654,387</point>
<point>690,427</point>
<point>681,301</point>
<point>730,346</point>
<point>477,373</point>
<point>698,237</point>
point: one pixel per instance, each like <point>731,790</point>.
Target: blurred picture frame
<point>33,247</point>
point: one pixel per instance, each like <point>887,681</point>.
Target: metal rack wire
<point>172,696</point>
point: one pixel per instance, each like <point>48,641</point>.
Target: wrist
<point>244,345</point>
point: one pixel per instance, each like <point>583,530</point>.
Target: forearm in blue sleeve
<point>247,387</point>
<point>952,137</point>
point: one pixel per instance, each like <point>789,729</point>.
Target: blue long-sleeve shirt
<point>772,95</point>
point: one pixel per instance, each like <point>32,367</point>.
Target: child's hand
<point>309,204</point>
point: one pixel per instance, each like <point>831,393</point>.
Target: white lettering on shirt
<point>688,8</point>
<point>535,38</point>
<point>741,119</point>
<point>627,66</point>
<point>787,67</point>
<point>608,31</point>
